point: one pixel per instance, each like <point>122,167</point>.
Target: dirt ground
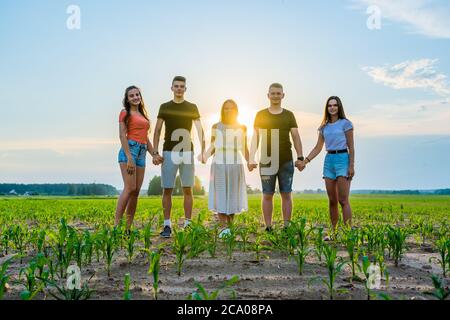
<point>273,278</point>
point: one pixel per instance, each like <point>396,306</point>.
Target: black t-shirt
<point>284,122</point>
<point>178,116</point>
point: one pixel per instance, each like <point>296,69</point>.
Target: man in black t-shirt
<point>178,152</point>
<point>272,130</point>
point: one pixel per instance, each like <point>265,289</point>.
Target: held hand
<point>351,172</point>
<point>202,158</point>
<point>300,165</point>
<point>157,159</point>
<point>251,166</point>
<point>131,167</point>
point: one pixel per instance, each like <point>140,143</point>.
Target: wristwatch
<point>302,158</point>
<point>154,153</point>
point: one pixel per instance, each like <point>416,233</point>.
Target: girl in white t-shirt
<point>336,132</point>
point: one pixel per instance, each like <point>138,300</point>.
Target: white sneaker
<point>224,233</point>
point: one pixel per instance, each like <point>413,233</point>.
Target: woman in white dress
<point>227,187</point>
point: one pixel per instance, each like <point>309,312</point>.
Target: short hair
<point>179,78</point>
<point>276,85</point>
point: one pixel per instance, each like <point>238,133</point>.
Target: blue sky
<point>61,89</point>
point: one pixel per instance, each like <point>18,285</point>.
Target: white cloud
<point>423,17</point>
<point>411,74</point>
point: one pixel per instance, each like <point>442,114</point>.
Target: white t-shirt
<point>334,134</point>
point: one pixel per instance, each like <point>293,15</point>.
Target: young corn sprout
<point>351,242</point>
<point>180,247</point>
<point>319,242</point>
<point>202,294</point>
<point>65,293</point>
<point>230,241</point>
<point>132,237</point>
<point>372,277</point>
<point>147,236</point>
<point>109,245</point>
<point>19,236</point>
<point>334,267</point>
<point>258,247</point>
<point>212,239</point>
<point>440,291</point>
<point>443,246</point>
<point>298,237</point>
<point>127,283</point>
<point>4,277</point>
<point>196,237</point>
<point>154,267</point>
<point>397,242</point>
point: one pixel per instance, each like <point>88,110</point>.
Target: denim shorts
<point>138,152</point>
<point>174,161</point>
<point>336,165</point>
<point>285,177</point>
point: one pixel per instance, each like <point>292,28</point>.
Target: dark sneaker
<point>166,232</point>
<point>269,229</point>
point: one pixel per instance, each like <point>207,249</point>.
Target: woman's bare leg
<point>343,186</point>
<point>333,201</point>
<point>129,182</point>
<point>132,201</point>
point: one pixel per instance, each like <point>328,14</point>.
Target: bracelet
<point>308,159</point>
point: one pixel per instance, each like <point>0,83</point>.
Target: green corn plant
<point>351,242</point>
<point>258,247</point>
<point>202,294</point>
<point>280,241</point>
<point>147,236</point>
<point>443,246</point>
<point>64,293</point>
<point>319,242</point>
<point>6,238</point>
<point>212,240</point>
<point>196,237</point>
<point>154,267</point>
<point>127,283</point>
<point>133,236</point>
<point>397,242</point>
<point>19,236</point>
<point>298,237</point>
<point>180,248</point>
<point>77,244</point>
<point>109,245</point>
<point>40,242</point>
<point>4,277</point>
<point>379,257</point>
<point>334,267</point>
<point>230,242</point>
<point>244,233</point>
<point>440,291</point>
<point>88,247</point>
<point>369,277</point>
<point>27,277</point>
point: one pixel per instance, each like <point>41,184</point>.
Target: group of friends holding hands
<point>274,127</point>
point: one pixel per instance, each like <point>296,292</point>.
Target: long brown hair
<point>327,116</point>
<point>223,118</point>
<point>127,106</point>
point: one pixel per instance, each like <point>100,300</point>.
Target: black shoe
<point>269,229</point>
<point>166,232</point>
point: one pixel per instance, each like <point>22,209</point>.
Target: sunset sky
<point>61,89</point>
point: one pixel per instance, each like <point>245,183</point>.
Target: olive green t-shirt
<point>284,122</point>
<point>177,116</point>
